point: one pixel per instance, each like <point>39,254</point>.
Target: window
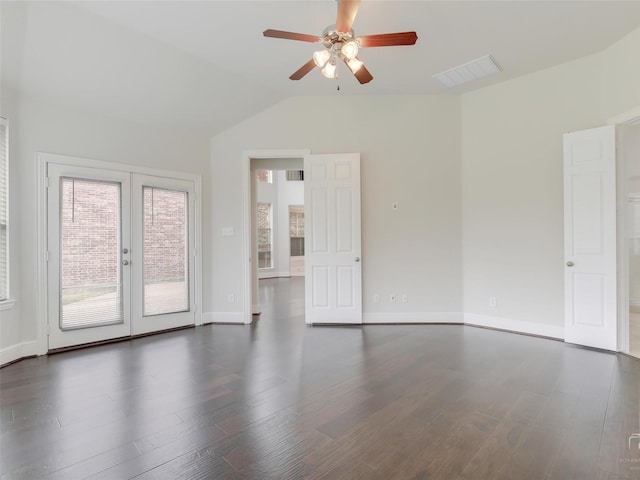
<point>264,176</point>
<point>295,175</point>
<point>296,230</point>
<point>4,214</point>
<point>265,227</point>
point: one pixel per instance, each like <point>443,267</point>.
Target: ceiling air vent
<point>473,70</point>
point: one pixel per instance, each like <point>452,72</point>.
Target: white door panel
<point>333,275</point>
<point>163,263</point>
<point>88,272</point>
<point>590,238</point>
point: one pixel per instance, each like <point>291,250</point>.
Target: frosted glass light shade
<point>350,49</point>
<point>354,64</point>
<point>320,58</point>
<point>329,69</point>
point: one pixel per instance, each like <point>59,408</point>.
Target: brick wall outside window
<point>164,235</point>
<point>90,230</point>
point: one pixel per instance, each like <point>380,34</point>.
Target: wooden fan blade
<point>302,71</point>
<point>303,37</point>
<point>388,39</point>
<point>347,11</point>
<point>363,75</point>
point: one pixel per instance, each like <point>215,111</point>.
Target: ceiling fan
<point>341,44</point>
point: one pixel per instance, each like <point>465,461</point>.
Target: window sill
<point>7,304</point>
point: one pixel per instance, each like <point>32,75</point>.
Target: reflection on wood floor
<point>280,400</point>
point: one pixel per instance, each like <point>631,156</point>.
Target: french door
<point>120,250</point>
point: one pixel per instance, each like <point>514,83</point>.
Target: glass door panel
<point>165,239</point>
<point>90,244</point>
<point>88,274</point>
<point>163,257</point>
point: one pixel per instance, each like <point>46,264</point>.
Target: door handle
<point>569,263</point>
<point>357,259</point>
<point>125,262</point>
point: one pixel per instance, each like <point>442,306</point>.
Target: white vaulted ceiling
<point>204,65</point>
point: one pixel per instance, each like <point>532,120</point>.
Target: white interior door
<point>333,269</point>
<point>163,254</point>
<point>590,238</point>
<point>88,272</point>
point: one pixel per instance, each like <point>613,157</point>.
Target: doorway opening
<point>271,190</point>
<point>333,272</point>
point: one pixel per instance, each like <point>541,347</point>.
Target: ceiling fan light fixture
<point>354,64</point>
<point>350,49</point>
<point>321,57</point>
<point>329,70</point>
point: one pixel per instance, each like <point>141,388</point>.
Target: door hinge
<point>46,256</point>
<point>46,182</point>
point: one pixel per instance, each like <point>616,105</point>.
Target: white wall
<point>512,182</point>
<point>47,127</point>
<point>410,151</point>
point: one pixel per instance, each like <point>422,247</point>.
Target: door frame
<point>43,159</point>
<point>248,280</point>
<point>622,122</point>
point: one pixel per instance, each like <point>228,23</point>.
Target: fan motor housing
<point>331,37</point>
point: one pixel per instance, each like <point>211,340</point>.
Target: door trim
<point>247,274</point>
<point>622,188</point>
<point>43,159</point>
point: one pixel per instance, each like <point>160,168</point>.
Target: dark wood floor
<point>281,400</point>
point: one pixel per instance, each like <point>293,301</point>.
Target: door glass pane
<point>166,266</point>
<point>265,227</point>
<point>91,277</point>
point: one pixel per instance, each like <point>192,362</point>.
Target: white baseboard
<point>412,317</point>
<point>17,351</point>
<point>472,319</point>
<point>634,302</point>
<point>223,317</point>
<point>520,326</point>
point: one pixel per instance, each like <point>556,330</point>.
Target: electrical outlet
<point>231,298</point>
<point>392,298</point>
<point>404,298</point>
<point>493,302</point>
<point>376,298</point>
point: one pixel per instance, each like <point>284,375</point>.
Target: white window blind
<point>4,214</point>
